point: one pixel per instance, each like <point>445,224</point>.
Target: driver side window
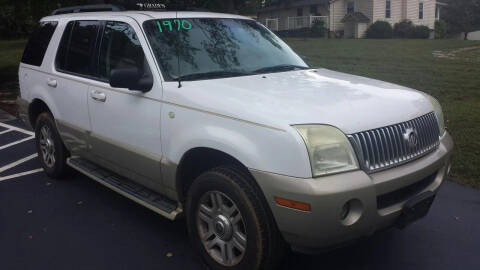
<point>120,49</point>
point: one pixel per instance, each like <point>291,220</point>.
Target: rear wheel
<point>229,223</point>
<point>51,150</point>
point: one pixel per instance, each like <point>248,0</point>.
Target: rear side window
<point>121,49</point>
<point>38,44</point>
<point>77,48</point>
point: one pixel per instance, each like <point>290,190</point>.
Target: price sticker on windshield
<point>174,25</point>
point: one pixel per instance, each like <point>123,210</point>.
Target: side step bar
<point>136,192</point>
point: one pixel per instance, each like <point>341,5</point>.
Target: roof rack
<point>88,8</point>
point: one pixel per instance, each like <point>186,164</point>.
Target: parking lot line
<point>5,131</point>
<point>16,142</point>
<point>19,174</point>
<point>13,164</point>
<point>17,129</point>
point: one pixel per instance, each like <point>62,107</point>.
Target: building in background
<point>347,18</point>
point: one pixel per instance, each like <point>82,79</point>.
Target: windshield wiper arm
<point>284,67</point>
<point>211,74</point>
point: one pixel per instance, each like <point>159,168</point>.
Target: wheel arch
<point>198,160</point>
<point>36,107</point>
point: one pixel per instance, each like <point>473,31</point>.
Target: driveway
<point>79,224</point>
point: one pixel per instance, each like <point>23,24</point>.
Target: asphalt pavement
<point>79,224</point>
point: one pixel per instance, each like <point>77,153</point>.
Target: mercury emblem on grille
<point>411,137</point>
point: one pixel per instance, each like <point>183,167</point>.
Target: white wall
<point>405,9</point>
<point>338,10</point>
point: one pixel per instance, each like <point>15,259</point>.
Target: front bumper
<point>376,199</point>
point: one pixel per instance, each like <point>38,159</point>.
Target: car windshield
<point>207,48</point>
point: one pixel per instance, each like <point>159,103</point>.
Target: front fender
<point>255,146</point>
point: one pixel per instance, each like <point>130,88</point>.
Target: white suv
<point>212,117</point>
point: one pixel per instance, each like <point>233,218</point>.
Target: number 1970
<point>176,24</point>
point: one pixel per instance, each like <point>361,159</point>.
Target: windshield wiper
<point>211,75</point>
<point>284,67</point>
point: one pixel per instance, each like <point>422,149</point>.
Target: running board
<point>136,192</point>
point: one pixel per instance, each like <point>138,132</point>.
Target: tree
<point>462,16</point>
<point>18,18</point>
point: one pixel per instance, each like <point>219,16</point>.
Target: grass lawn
<point>447,69</point>
<point>12,51</point>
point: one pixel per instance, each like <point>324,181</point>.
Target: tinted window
<point>120,49</point>
<point>38,44</point>
<point>77,47</point>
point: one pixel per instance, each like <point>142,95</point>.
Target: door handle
<point>52,83</point>
<point>98,96</point>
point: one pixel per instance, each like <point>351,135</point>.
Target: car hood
<point>318,96</point>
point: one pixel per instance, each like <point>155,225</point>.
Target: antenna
<point>178,53</point>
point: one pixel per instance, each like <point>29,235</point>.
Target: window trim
<point>353,7</point>
<point>60,70</point>
<point>388,9</point>
<point>421,10</point>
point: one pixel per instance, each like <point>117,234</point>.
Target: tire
<point>51,150</point>
<point>230,187</point>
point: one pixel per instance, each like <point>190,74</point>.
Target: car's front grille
<point>393,145</point>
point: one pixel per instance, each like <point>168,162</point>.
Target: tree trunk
<point>465,37</point>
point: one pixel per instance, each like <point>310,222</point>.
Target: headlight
<point>438,112</point>
<point>328,148</point>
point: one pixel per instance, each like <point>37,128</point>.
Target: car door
<point>69,81</point>
<point>126,124</point>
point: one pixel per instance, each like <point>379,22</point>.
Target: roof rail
<point>88,8</point>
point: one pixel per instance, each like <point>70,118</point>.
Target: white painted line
<point>5,131</point>
<point>13,164</point>
<point>17,129</point>
<point>19,174</point>
<point>17,142</point>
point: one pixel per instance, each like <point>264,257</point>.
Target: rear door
<point>32,63</point>
<point>126,124</point>
<point>73,72</point>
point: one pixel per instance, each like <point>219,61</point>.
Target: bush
<point>379,29</point>
<point>421,31</point>
<point>318,28</point>
<point>440,29</point>
<point>403,29</point>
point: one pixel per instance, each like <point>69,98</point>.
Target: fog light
<point>345,211</point>
<point>351,212</point>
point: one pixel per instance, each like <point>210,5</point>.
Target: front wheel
<point>229,224</point>
<point>51,151</point>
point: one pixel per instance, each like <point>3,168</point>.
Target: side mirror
<point>132,79</point>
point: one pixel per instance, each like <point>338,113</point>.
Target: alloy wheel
<point>221,228</point>
<point>47,146</point>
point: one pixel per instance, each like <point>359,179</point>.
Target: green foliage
<point>318,28</point>
<point>404,29</point>
<point>462,16</point>
<point>379,29</point>
<point>440,29</point>
<point>421,31</point>
<point>19,17</point>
